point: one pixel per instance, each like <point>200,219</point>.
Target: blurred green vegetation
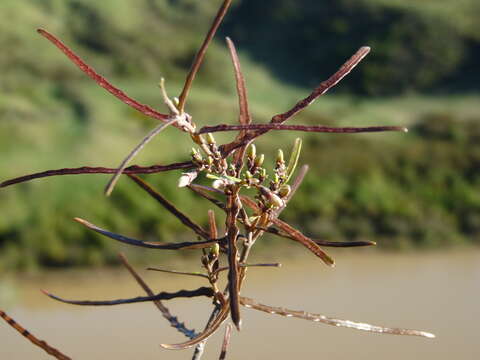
<point>429,45</point>
<point>403,190</point>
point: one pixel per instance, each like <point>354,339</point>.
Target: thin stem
<point>179,272</point>
<point>134,169</point>
<point>40,343</point>
<point>277,265</point>
<point>173,320</point>
<point>157,130</point>
<point>197,62</point>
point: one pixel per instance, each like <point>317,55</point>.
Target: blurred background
<point>409,192</point>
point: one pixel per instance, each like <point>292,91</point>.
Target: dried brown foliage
<point>233,167</point>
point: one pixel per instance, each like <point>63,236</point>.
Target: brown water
<point>437,292</point>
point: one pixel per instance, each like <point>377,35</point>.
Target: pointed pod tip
<point>238,325</point>
<point>405,129</point>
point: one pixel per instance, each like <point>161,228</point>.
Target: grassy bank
<point>415,189</point>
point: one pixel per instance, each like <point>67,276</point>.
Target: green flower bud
<point>210,139</point>
<point>280,158</point>
<point>252,151</point>
<point>259,160</point>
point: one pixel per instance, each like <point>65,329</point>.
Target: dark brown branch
<point>179,272</point>
<point>170,207</point>
<point>197,62</point>
<point>40,343</point>
<point>305,128</point>
<point>100,80</point>
<point>173,320</point>
<point>277,265</point>
<point>250,303</point>
<point>145,244</point>
<point>134,169</point>
<point>202,291</point>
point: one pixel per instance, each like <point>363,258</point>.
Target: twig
<point>178,272</point>
<point>40,343</point>
<point>251,265</point>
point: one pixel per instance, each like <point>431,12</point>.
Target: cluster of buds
<point>273,196</point>
<point>255,173</point>
<point>213,163</point>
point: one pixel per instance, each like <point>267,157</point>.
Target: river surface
<point>435,292</point>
